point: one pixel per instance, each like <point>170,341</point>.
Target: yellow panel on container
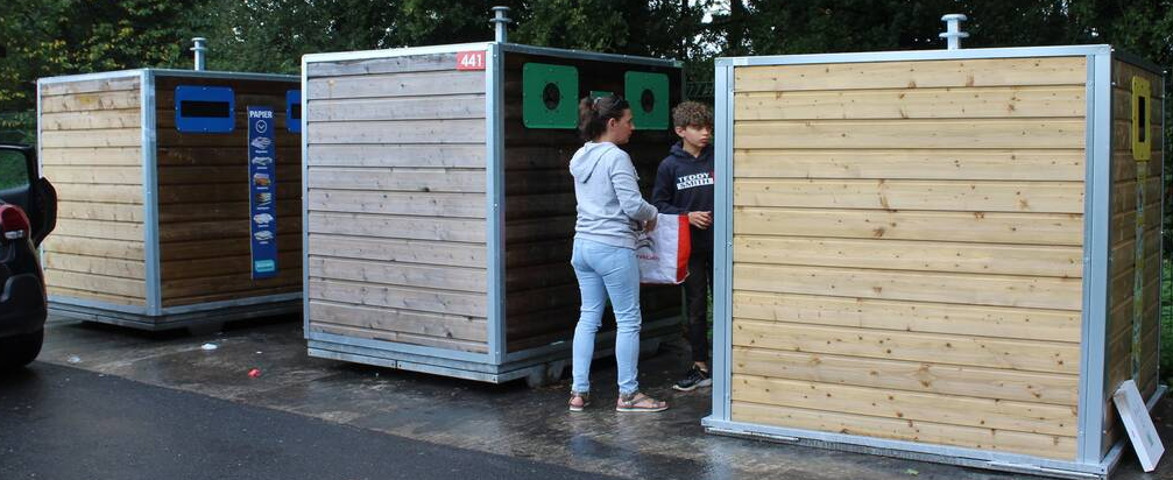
<point>1142,142</point>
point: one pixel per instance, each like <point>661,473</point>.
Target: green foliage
<point>13,170</point>
<point>56,37</point>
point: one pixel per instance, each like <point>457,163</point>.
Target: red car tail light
<point>14,224</point>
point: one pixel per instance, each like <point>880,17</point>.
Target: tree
<point>56,37</point>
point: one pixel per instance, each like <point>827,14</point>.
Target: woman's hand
<point>701,220</point>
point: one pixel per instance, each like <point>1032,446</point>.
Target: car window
<point>13,170</point>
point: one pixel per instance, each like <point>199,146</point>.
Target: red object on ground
<point>254,373</point>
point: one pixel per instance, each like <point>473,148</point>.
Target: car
<point>28,212</point>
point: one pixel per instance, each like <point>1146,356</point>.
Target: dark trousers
<point>697,288</point>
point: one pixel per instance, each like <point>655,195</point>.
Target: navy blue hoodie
<point>684,183</point>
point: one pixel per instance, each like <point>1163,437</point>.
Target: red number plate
<point>470,60</point>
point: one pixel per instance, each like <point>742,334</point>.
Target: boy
<point>684,185</point>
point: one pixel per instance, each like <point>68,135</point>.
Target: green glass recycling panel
<point>549,96</point>
<point>648,95</point>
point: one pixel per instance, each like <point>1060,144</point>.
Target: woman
<point>610,213</point>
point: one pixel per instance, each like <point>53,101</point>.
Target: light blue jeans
<point>605,271</point>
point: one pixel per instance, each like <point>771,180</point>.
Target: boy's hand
<point>650,225</point>
<point>701,220</point>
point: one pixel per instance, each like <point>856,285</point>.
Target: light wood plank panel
<point>90,86</point>
<point>473,329</point>
<point>404,298</point>
<point>55,292</point>
<point>106,248</point>
<point>96,175</point>
<point>396,85</point>
<point>398,179</point>
<point>100,229</point>
<point>109,137</point>
<point>111,267</point>
<point>412,63</point>
<point>1035,356</point>
<point>1046,446</point>
<point>401,338</point>
<point>958,134</point>
<point>928,407</point>
<point>100,211</point>
<point>396,250</point>
<point>918,74</point>
<point>962,195</point>
<point>472,280</point>
<point>894,164</point>
<point>898,375</point>
<point>131,156</point>
<point>403,131</point>
<point>401,108</point>
<point>1043,261</point>
<point>80,192</point>
<point>131,118</point>
<point>963,102</point>
<point>88,102</point>
<point>1018,323</point>
<point>407,228</point>
<point>435,204</point>
<point>968,289</point>
<point>1011,228</point>
<point>418,156</point>
<point>99,284</point>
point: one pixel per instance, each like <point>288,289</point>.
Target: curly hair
<point>692,114</point>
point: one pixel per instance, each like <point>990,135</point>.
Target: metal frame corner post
<point>154,289</point>
<point>40,162</point>
<point>1097,218</point>
<point>723,254</point>
<point>305,203</point>
<point>494,199</point>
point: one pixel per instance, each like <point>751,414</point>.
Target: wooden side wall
<point>1123,261</point>
<point>542,295</point>
<point>397,229</point>
<point>907,259</point>
<point>91,151</point>
<point>204,231</point>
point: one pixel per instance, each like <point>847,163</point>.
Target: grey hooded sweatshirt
<point>609,202</point>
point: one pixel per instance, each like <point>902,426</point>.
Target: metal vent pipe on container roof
<point>953,33</point>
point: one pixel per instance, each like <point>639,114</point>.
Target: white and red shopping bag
<point>663,253</point>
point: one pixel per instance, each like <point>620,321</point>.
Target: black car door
<point>21,185</point>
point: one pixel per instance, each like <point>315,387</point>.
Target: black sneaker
<point>694,379</point>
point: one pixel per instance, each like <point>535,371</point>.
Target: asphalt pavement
<point>64,423</point>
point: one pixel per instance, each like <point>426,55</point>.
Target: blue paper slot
<point>293,111</point>
<point>204,109</point>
